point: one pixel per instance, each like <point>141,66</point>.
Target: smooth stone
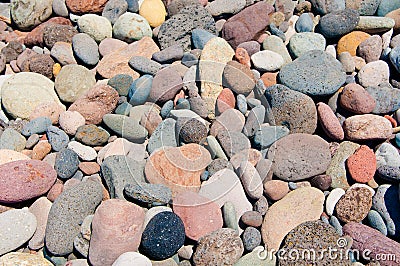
<point>377,244</point>
<point>338,23</point>
<point>110,45</point>
<point>95,103</point>
<point>200,37</point>
<point>36,126</point>
<point>373,74</point>
<point>126,127</point>
<point>121,83</point>
<point>114,9</point>
<point>303,42</point>
<point>199,215</point>
<point>163,236</point>
<point>281,112</point>
<point>12,140</point>
<point>71,121</point>
<point>224,186</point>
<point>252,218</point>
<point>166,84</point>
<point>169,54</point>
<point>132,258</point>
<point>66,163</point>
<point>110,237</point>
<point>354,205</point>
<point>214,57</point>
<point>362,165</point>
<point>18,226</point>
<point>19,258</point>
<point>337,168</point>
<point>215,149</point>
<point>276,189</point>
<point>356,99</point>
<point>251,180</point>
<point>178,168</point>
<point>233,142</point>
<point>309,156</point>
<point>144,65</point>
<point>387,154</point>
<point>220,247</point>
<point>371,48</point>
<point>376,221</point>
<point>387,6</point>
<point>7,156</point>
<point>372,24</point>
<point>264,169</point>
<point>153,11</point>
<point>139,90</point>
<point>148,193</point>
<point>85,49</point>
<point>178,28</point>
<point>367,127</point>
<point>251,238</point>
<point>238,78</point>
<point>267,135</point>
<point>66,214</point>
<point>167,108</point>
<point>119,171</point>
<point>230,120</point>
<point>300,205</point>
<point>229,216</point>
<point>163,136</point>
<point>40,208</point>
<point>254,120</point>
<point>14,89</point>
<point>247,24</point>
<point>267,61</point>
<point>389,173</point>
<point>28,15</point>
<point>329,122</point>
<point>116,62</point>
<point>314,79</point>
<point>84,152</point>
<point>304,23</point>
<point>275,44</point>
<point>386,202</point>
<point>97,27</point>
<point>92,135</point>
<point>63,53</point>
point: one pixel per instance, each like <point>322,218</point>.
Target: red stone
<point>225,100</point>
<point>362,164</point>
<point>86,6</point>
<point>243,56</point>
<point>200,215</point>
<point>24,180</point>
<point>329,122</point>
<point>35,37</point>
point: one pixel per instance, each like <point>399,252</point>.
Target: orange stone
<point>350,42</point>
<point>178,168</point>
<point>362,164</point>
<point>392,120</point>
<point>41,150</point>
<point>89,168</point>
<point>243,56</point>
<point>199,214</point>
<point>269,78</point>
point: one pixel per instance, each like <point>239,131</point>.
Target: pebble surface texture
<point>199,132</point>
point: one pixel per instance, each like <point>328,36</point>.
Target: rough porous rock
<point>354,205</point>
<point>362,164</point>
<point>82,6</point>
<point>27,15</point>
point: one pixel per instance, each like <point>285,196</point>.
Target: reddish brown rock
<point>85,6</point>
<point>225,100</point>
<point>89,168</point>
<point>35,37</point>
<point>178,168</point>
<point>116,62</point>
<point>252,218</point>
<point>41,150</point>
<point>329,122</point>
<point>370,241</point>
<point>356,99</point>
<point>55,191</point>
<point>362,164</point>
<point>276,189</point>
<point>150,120</point>
<point>395,14</point>
<point>117,228</point>
<point>199,214</point>
<point>269,78</point>
<point>166,84</point>
<point>322,182</point>
<point>242,56</point>
<point>248,24</point>
<point>42,64</point>
<point>98,101</point>
<point>58,33</point>
<point>354,205</point>
<point>50,110</point>
<point>24,180</point>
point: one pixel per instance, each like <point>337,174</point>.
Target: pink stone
<point>362,164</point>
<point>117,228</point>
<point>55,191</point>
<point>329,122</point>
<point>24,180</point>
<point>109,45</point>
<point>225,100</point>
<point>199,214</point>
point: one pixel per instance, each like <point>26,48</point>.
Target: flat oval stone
<point>220,247</point>
<point>362,164</point>
<point>199,215</point>
<point>73,81</point>
<point>354,205</point>
<point>66,163</point>
<point>267,61</point>
<point>290,108</point>
<point>30,14</point>
<point>131,27</point>
<point>299,156</point>
<point>97,27</point>
<point>329,122</point>
<point>238,78</point>
<point>386,97</point>
<point>251,180</point>
<point>112,236</point>
<point>313,73</point>
<point>25,179</point>
<point>376,221</point>
<point>338,23</point>
<point>373,24</point>
<point>19,258</point>
<point>17,227</point>
<point>374,73</point>
<point>367,238</point>
<point>356,99</point>
<point>299,206</point>
<point>67,214</point>
<point>126,127</point>
<point>367,127</point>
<point>15,100</point>
<point>389,173</point>
<point>131,258</point>
<point>166,84</point>
<point>303,42</point>
<point>92,135</point>
<point>86,49</point>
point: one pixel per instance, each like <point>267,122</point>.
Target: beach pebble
<point>85,49</point>
<point>276,189</point>
<point>70,121</point>
<point>362,164</point>
<point>354,205</point>
<point>367,127</point>
<point>373,73</point>
<point>40,208</point>
<point>66,163</point>
<point>114,9</point>
<point>303,42</point>
<point>251,180</point>
<point>338,23</point>
<point>97,27</point>
<point>329,122</point>
<point>12,140</point>
<point>131,258</point>
<point>28,15</point>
